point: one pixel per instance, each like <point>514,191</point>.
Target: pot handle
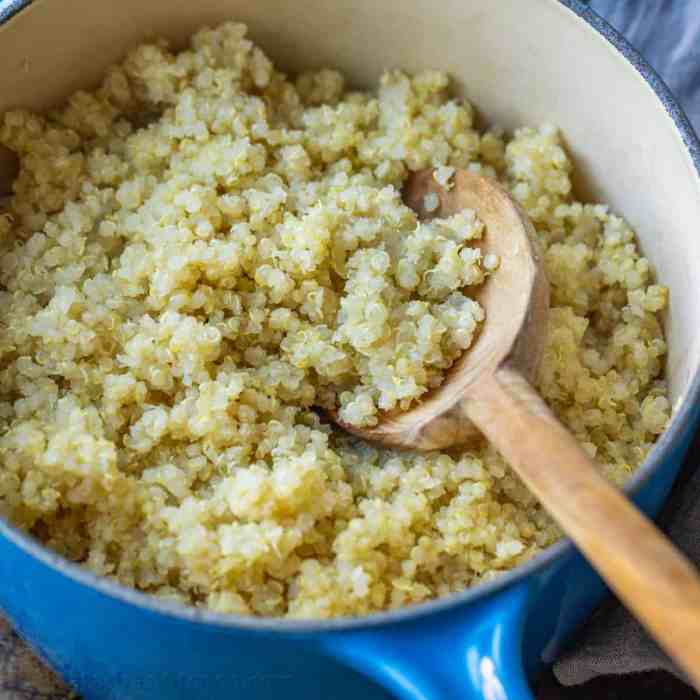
<point>469,652</point>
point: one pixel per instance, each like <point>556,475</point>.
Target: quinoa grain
<point>201,250</point>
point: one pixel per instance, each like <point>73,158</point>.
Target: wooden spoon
<point>488,391</point>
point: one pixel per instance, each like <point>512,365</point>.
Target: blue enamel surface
<point>115,644</point>
<point>110,650</point>
<point>472,652</point>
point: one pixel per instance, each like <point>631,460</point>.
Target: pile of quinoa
<point>202,250</point>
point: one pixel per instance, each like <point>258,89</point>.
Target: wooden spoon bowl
<point>516,297</point>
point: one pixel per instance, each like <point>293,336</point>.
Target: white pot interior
<point>520,63</point>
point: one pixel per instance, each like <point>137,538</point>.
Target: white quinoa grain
<point>443,175</point>
<point>431,202</point>
<point>491,262</point>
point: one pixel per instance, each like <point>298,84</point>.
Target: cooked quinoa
<point>203,250</point>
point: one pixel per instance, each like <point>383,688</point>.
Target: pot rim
<point>558,550</point>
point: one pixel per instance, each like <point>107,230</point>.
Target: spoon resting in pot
<point>488,391</point>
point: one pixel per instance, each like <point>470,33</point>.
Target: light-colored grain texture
<point>173,269</point>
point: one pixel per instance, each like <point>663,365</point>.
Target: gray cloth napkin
<point>667,33</point>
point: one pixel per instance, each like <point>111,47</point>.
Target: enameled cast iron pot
<point>521,62</point>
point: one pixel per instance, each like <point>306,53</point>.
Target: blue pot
<point>114,643</point>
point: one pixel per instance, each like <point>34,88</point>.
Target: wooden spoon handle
<point>654,580</point>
